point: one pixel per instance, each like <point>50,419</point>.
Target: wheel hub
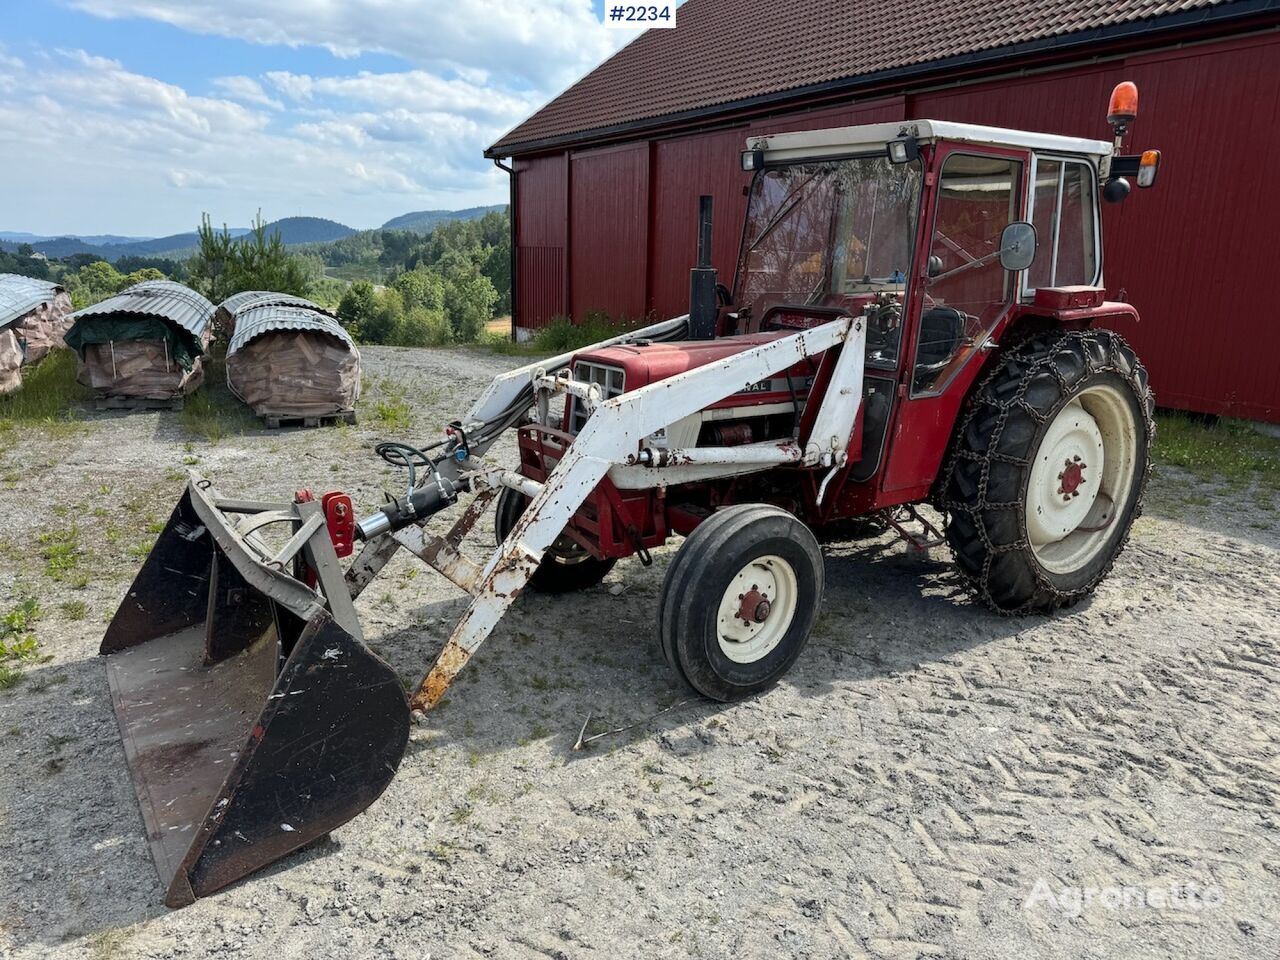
<point>755,607</point>
<point>1081,475</point>
<point>1071,477</point>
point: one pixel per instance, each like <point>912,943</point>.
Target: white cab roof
<point>836,141</point>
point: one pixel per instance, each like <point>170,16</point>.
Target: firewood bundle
<point>295,373</point>
<point>44,327</point>
<point>145,343</point>
<point>144,369</point>
<point>10,361</point>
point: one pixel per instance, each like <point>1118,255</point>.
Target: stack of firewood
<point>10,361</point>
<point>44,327</point>
<point>295,373</point>
<point>137,368</point>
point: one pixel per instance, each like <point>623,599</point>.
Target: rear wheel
<point>740,599</point>
<point>1048,470</point>
<point>566,566</point>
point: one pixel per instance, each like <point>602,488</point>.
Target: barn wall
<point>542,237</point>
<point>609,230</point>
<point>1189,254</point>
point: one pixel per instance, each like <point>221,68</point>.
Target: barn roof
<point>267,317</point>
<point>20,295</point>
<point>726,55</point>
<point>158,298</point>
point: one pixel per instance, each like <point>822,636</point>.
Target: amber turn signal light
<point>1148,167</point>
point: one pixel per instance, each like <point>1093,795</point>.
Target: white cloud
<point>195,180</point>
<point>546,43</point>
<point>104,149</point>
<point>246,90</point>
<point>107,149</point>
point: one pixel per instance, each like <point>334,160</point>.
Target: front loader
<point>913,321</point>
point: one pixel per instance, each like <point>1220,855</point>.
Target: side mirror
<point>1017,246</point>
<point>934,267</point>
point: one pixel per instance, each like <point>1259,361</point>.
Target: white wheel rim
<point>757,609</point>
<point>1083,473</point>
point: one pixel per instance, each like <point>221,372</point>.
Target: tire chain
<point>1036,353</point>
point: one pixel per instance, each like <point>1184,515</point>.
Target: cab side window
<point>978,197</point>
<point>1063,211</point>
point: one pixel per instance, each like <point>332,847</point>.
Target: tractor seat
<point>941,333</point>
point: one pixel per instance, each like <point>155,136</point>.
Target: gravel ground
<point>930,780</point>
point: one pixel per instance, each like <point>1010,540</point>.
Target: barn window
<point>1064,213</point>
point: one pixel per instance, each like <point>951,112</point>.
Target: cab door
<point>958,300</point>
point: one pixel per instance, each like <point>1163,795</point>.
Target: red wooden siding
<point>541,238</point>
<point>1193,255</point>
<point>609,231</point>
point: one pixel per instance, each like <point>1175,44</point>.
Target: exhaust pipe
<point>703,309</point>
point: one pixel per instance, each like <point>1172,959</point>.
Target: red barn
<point>606,177</point>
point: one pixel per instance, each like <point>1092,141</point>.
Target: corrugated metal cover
<point>158,298</point>
<point>254,322</point>
<point>20,295</point>
<point>240,302</point>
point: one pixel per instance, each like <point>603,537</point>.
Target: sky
<point>135,116</point>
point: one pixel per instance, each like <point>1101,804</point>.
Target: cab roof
<point>838,141</point>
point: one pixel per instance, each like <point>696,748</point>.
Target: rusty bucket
<point>254,718</point>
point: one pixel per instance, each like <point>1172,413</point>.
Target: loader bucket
<point>254,721</point>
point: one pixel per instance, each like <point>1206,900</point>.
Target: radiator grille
<point>612,381</point>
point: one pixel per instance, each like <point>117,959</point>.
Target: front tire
<point>1048,470</point>
<point>739,600</point>
<point>566,566</point>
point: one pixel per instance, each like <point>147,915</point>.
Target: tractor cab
<point>943,236</point>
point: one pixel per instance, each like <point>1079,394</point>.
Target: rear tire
<point>754,559</point>
<point>1048,470</point>
<point>565,567</point>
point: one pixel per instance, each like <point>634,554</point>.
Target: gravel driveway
<point>930,780</point>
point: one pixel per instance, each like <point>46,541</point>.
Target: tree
<point>421,287</point>
<point>387,316</point>
<point>210,267</point>
<point>93,282</point>
<point>141,276</point>
<point>468,302</point>
<point>224,266</point>
<point>357,306</point>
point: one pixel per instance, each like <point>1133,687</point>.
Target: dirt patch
<point>930,780</point>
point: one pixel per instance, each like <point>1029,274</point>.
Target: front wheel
<point>1048,470</point>
<point>566,566</point>
<point>739,600</point>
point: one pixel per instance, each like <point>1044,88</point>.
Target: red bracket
<point>340,515</point>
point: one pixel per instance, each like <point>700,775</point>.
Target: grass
<point>75,609</point>
<point>18,644</point>
<point>562,335</point>
<point>1233,451</point>
<point>392,408</point>
<point>213,412</point>
<point>48,399</point>
<point>60,550</point>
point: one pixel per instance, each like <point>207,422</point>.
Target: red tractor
<point>914,319</point>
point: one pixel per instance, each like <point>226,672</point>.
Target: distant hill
<point>98,240</point>
<point>424,221</point>
<point>294,231</point>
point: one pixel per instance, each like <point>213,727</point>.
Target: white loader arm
<point>611,440</point>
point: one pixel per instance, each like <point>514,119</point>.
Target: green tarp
<point>183,346</point>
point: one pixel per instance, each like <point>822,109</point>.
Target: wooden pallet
<point>275,421</point>
<point>137,403</point>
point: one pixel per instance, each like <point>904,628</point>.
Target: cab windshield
<point>824,233</point>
